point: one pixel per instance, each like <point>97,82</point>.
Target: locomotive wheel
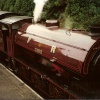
<point>39,81</point>
<point>56,93</point>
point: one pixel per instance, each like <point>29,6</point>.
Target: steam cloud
<point>39,4</point>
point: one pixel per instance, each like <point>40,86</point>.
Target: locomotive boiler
<point>58,64</point>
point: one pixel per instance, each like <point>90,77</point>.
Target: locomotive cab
<point>4,28</point>
<point>5,14</point>
<point>8,29</point>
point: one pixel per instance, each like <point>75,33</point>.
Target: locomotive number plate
<point>38,50</point>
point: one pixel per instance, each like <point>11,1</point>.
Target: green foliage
<point>83,12</point>
<point>80,13</point>
<point>2,2</point>
<point>23,7</point>
<point>53,9</point>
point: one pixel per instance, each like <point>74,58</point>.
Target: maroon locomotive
<point>58,64</point>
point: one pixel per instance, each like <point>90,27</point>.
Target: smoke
<point>39,4</point>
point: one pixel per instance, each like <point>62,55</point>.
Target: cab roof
<point>14,19</point>
<point>4,14</point>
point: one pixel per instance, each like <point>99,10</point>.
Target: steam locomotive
<point>57,63</point>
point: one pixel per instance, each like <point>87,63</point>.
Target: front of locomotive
<point>92,60</point>
<point>90,82</point>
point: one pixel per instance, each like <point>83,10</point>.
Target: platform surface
<point>12,88</point>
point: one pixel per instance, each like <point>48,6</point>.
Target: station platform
<point>12,88</point>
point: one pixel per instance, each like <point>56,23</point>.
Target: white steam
<point>39,4</point>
